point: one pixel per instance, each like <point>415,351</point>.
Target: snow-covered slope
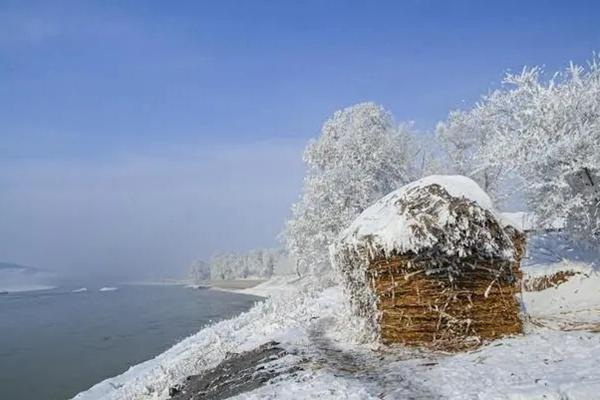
<point>277,285</point>
<point>283,318</point>
<point>544,363</point>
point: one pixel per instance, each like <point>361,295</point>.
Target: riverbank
<point>323,356</point>
<point>330,362</point>
<point>237,285</point>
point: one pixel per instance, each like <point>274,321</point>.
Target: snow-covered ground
<point>557,358</point>
<point>275,286</point>
<point>24,288</point>
<point>108,289</point>
<point>574,304</point>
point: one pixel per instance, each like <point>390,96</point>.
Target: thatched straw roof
<point>445,216</point>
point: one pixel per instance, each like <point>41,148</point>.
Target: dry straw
<point>538,283</point>
<point>432,310</point>
<point>430,298</point>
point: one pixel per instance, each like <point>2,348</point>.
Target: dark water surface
<point>56,343</point>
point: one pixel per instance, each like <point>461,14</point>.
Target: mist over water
<point>136,217</point>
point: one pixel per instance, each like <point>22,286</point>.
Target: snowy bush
<point>360,156</point>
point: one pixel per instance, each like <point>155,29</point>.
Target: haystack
<point>430,264</point>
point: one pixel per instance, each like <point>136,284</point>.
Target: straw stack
<point>430,309</point>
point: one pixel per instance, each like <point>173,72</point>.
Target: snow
<point>25,288</point>
<point>545,365</point>
<point>574,304</point>
<point>527,221</point>
<point>457,186</point>
<point>523,221</point>
<point>542,363</point>
<point>557,357</point>
<point>387,225</point>
<point>277,285</point>
<point>108,289</point>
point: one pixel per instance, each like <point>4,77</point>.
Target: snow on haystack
<point>428,214</point>
<point>432,263</point>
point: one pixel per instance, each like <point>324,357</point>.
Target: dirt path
<point>244,372</point>
<point>368,367</point>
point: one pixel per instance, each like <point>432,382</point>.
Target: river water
<point>56,343</point>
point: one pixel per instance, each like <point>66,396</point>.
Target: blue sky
<point>92,91</point>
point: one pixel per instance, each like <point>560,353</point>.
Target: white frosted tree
<point>428,155</point>
<point>463,136</point>
<point>260,263</point>
<point>548,132</point>
<point>360,156</point>
<point>199,271</point>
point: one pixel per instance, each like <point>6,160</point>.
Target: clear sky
<point>137,136</point>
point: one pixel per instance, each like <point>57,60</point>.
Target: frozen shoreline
<point>542,362</point>
<point>556,357</point>
<point>235,285</point>
<point>27,288</point>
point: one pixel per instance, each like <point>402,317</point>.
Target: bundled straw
<point>423,267</point>
<point>430,309</point>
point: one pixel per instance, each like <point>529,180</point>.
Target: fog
<point>145,215</point>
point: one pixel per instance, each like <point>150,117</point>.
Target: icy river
<point>56,343</point>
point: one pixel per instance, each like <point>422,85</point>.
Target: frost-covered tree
<point>262,263</point>
<point>199,271</point>
<point>427,155</point>
<point>463,137</point>
<point>360,156</point>
<point>548,132</point>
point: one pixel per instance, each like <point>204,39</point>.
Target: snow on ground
<point>541,365</point>
<point>25,288</point>
<point>107,289</point>
<point>574,304</point>
<point>544,363</point>
<point>274,286</point>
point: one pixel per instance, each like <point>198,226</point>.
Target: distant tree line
<point>262,263</point>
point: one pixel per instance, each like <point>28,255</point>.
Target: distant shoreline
<point>226,284</point>
<point>23,289</point>
<point>234,284</point>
